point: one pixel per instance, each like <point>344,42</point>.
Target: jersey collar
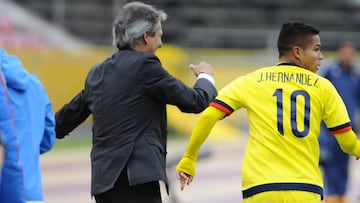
<point>287,64</point>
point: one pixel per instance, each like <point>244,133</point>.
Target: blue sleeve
<point>48,139</point>
<point>358,93</point>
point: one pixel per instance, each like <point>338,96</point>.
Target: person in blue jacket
<point>34,118</point>
<point>11,184</point>
<point>344,75</point>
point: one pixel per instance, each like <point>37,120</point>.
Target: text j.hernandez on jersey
<point>301,78</point>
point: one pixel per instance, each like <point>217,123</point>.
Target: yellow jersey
<point>285,106</point>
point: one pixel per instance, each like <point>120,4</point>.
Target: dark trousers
<point>122,192</point>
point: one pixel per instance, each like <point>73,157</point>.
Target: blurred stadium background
<point>60,40</point>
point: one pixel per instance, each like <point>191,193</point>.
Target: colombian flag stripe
<point>222,106</point>
<point>340,129</point>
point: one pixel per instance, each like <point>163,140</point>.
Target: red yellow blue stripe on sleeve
<point>340,129</point>
<point>222,106</point>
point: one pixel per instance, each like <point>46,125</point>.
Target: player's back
<point>285,105</point>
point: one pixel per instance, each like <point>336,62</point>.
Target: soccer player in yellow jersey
<point>285,104</point>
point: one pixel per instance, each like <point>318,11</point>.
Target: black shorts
<point>123,193</point>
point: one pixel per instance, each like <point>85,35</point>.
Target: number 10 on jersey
<point>294,107</point>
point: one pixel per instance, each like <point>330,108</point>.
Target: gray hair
<point>135,19</point>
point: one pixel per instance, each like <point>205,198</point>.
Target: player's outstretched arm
<point>187,166</point>
<point>349,143</point>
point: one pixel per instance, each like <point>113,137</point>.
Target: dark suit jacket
<point>127,96</point>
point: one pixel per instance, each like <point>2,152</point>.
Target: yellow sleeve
<point>202,129</point>
<point>349,143</point>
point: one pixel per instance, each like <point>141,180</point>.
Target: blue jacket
<point>11,184</point>
<point>34,118</point>
<point>347,83</point>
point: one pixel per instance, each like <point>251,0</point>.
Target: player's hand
<point>183,178</point>
<point>202,67</point>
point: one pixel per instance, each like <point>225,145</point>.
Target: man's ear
<point>146,37</point>
<point>297,52</point>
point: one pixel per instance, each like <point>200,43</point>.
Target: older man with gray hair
<point>127,95</point>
